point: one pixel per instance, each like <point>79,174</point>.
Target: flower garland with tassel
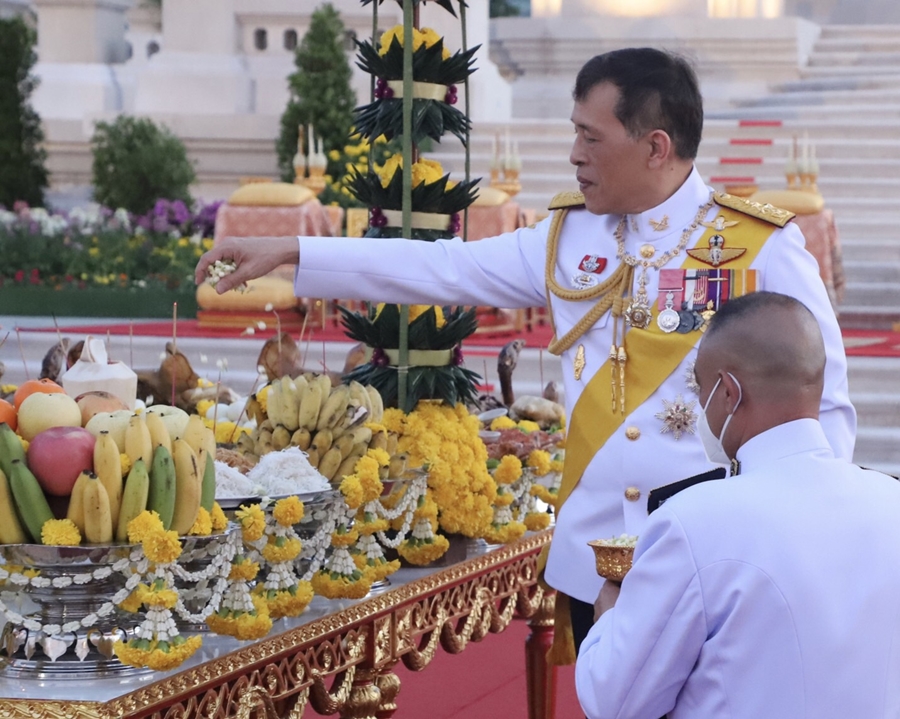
<point>285,594</point>
<point>504,528</point>
<point>368,553</point>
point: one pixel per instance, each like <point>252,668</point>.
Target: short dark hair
<point>657,91</point>
<point>741,308</point>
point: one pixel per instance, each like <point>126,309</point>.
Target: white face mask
<point>712,445</point>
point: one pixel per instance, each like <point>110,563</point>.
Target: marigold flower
<point>289,602</point>
<point>509,469</point>
<point>332,585</point>
<point>344,539</point>
<point>379,455</point>
<point>539,461</point>
<point>162,547</point>
<point>352,490</point>
<point>203,406</point>
<point>277,551</point>
<point>422,552</point>
<point>60,533</point>
<point>504,534</point>
<point>143,525</point>
<point>526,425</point>
<point>134,601</point>
<point>501,423</point>
<point>536,521</point>
<point>288,511</point>
<point>218,518</point>
<point>202,526</point>
<point>165,598</point>
<point>252,520</point>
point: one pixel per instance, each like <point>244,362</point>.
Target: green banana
<point>208,488</point>
<point>10,448</point>
<point>134,498</point>
<point>161,492</point>
<point>11,529</point>
<point>31,503</point>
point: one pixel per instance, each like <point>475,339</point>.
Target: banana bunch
<point>326,422</point>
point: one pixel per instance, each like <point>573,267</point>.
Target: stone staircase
<point>847,101</point>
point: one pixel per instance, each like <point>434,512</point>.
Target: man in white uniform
<point>643,214</point>
<point>770,594</point>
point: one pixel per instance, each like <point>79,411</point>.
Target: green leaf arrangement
<point>434,197</point>
<point>430,118</point>
<point>429,64</point>
<point>446,4</point>
<point>380,329</point>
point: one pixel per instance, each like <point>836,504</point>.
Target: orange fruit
<point>8,414</point>
<point>29,387</point>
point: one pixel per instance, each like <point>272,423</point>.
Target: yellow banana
<point>334,408</point>
<point>108,468</point>
<point>313,457</point>
<point>322,441</point>
<point>254,410</point>
<point>346,467</point>
<point>392,440</point>
<point>98,527</point>
<point>137,440</point>
<point>328,465</point>
<point>397,466</point>
<point>301,438</point>
<point>134,498</point>
<point>194,433</point>
<point>360,434</point>
<point>290,404</point>
<point>376,403</point>
<point>309,407</point>
<point>188,483</point>
<point>379,440</point>
<point>246,444</point>
<point>359,393</point>
<point>344,444</point>
<point>159,433</point>
<point>281,437</point>
<point>274,403</point>
<point>11,530</point>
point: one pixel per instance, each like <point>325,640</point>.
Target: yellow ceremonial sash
<point>652,356</point>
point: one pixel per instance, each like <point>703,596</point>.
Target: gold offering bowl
<point>613,561</point>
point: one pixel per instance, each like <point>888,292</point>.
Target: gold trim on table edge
<point>190,681</point>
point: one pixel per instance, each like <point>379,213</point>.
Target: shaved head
<point>773,344</point>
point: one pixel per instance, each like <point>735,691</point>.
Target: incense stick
<point>22,352</point>
<point>131,343</point>
<point>174,345</point>
<point>541,362</point>
<point>58,332</point>
<point>306,350</point>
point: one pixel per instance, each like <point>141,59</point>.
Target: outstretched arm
<point>254,257</point>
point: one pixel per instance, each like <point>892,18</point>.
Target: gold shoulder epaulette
<point>569,198</point>
<point>768,213</point>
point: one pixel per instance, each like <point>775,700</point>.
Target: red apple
<point>58,455</point>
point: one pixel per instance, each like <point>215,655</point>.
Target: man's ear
<point>731,390</point>
<point>660,149</point>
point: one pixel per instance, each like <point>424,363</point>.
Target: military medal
<point>584,281</point>
<point>589,268</point>
<point>690,378</point>
<point>668,320</point>
<point>678,417</point>
<point>720,224</point>
<point>579,362</point>
<point>717,254</point>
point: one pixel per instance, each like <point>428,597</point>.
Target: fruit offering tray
<point>60,608</point>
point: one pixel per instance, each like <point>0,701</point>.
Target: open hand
<point>252,256</point>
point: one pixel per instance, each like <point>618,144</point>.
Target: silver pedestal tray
<point>85,653</point>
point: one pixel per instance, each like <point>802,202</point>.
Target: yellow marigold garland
<point>421,552</point>
<point>242,625</point>
<point>344,539</point>
<point>333,585</point>
<point>146,523</point>
<point>281,549</point>
<point>536,521</point>
<point>252,520</point>
<point>242,569</point>
<point>159,656</point>
<point>202,526</point>
<point>60,533</point>
<point>539,462</point>
<point>504,533</point>
<point>509,469</point>
<point>287,602</point>
<point>288,511</point>
<point>218,518</point>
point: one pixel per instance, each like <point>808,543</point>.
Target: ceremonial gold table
<point>336,658</point>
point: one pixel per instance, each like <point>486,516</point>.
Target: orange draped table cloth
<point>824,244</point>
<point>336,658</point>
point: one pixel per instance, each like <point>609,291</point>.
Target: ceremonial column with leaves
<point>414,355</point>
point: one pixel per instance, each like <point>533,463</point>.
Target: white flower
<point>261,325</point>
<point>248,331</point>
<point>32,625</point>
<point>52,629</point>
<point>71,626</point>
<point>269,307</point>
<point>203,358</point>
<point>222,364</point>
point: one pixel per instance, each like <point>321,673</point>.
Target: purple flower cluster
<point>175,215</point>
<point>382,90</point>
<point>452,96</point>
<point>455,224</point>
<point>377,218</point>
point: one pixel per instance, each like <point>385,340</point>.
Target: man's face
<point>612,166</point>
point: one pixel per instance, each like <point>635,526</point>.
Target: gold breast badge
<point>579,362</point>
<point>660,225</point>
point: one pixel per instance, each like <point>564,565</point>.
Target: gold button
<point>632,494</point>
<point>633,433</point>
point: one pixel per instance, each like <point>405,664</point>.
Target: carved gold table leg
<point>365,697</point>
<point>541,677</point>
<point>388,684</point>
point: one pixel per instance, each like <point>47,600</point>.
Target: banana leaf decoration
<point>379,328</point>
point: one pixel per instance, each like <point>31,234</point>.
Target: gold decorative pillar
<point>388,684</point>
<point>365,697</point>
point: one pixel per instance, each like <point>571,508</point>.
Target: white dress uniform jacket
<point>773,594</point>
<point>509,271</point>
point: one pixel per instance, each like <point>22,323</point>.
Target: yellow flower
<point>61,533</point>
<point>8,388</point>
<point>135,600</point>
<point>203,406</point>
<point>207,243</point>
<point>262,396</point>
<point>229,432</point>
<point>242,569</point>
<point>369,528</point>
<point>125,461</point>
<point>218,518</point>
<point>252,520</point>
<point>509,469</point>
<point>526,425</point>
<point>142,526</point>
<point>352,490</point>
<point>165,598</point>
<point>334,155</point>
<point>375,568</point>
<point>341,586</point>
<point>387,38</point>
<point>424,551</point>
<point>344,539</point>
<point>501,423</point>
<point>202,524</point>
<point>281,549</point>
<point>288,511</point>
<point>427,171</point>
<point>539,461</point>
<point>556,466</point>
<point>536,521</point>
<point>243,625</point>
<point>505,534</point>
<point>393,420</point>
<point>386,171</point>
<point>439,318</point>
<point>289,602</point>
<point>379,455</point>
<point>162,547</point>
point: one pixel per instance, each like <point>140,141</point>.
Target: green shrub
<point>137,162</point>
<point>22,172</point>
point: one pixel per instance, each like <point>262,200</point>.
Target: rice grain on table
<point>287,472</point>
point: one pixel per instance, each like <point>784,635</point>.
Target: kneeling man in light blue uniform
<point>771,594</point>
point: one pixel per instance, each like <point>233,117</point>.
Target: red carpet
<point>872,343</point>
<point>486,681</point>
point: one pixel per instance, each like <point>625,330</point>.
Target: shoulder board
<point>566,199</point>
<point>768,213</point>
